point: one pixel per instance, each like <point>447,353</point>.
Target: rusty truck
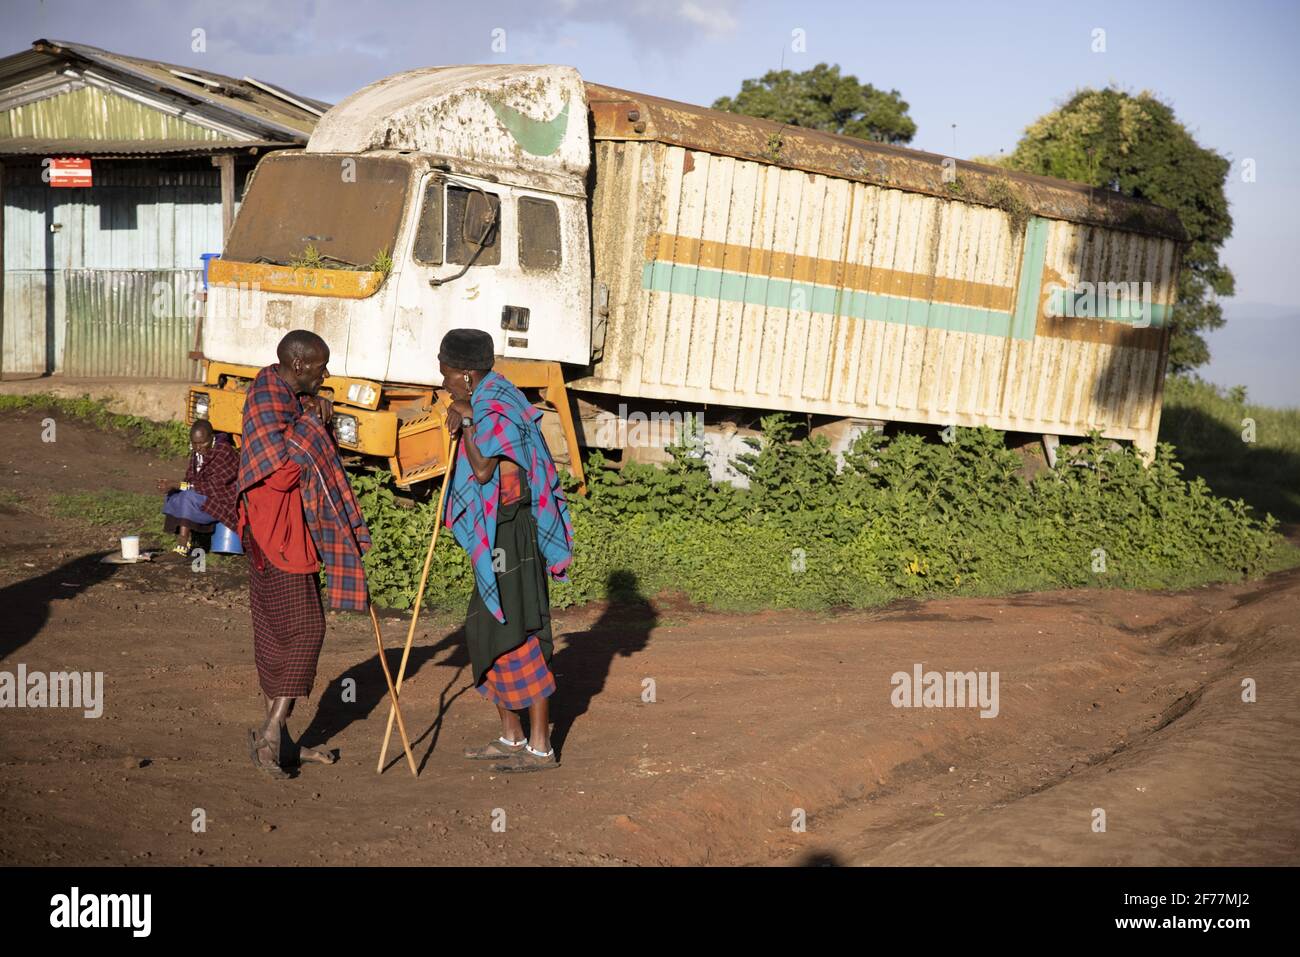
<point>631,252</point>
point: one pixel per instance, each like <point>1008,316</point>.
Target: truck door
<point>498,258</point>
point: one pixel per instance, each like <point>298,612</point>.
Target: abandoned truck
<point>629,252</point>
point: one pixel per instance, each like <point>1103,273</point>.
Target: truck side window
<point>428,237</point>
<point>539,233</point>
<point>459,250</point>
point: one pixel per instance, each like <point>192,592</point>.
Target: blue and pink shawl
<point>505,424</point>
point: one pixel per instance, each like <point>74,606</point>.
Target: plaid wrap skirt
<point>288,629</point>
<point>510,659</point>
<point>519,678</point>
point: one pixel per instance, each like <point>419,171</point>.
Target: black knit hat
<point>467,349</point>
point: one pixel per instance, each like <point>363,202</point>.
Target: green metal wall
<point>92,113</point>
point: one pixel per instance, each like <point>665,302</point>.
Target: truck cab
<point>398,223</point>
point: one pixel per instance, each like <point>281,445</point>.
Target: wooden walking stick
<point>419,597</point>
<point>392,693</point>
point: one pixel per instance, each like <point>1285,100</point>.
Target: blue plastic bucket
<point>226,542</point>
<point>207,261</point>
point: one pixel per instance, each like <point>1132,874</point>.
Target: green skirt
<point>525,596</point>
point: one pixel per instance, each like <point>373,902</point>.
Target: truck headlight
<point>345,428</point>
<point>199,402</point>
<point>361,394</point>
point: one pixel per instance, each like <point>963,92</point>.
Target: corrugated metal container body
<point>735,282</point>
<point>110,289</point>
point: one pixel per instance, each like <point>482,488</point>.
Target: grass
<point>310,258</point>
<point>128,512</point>
<point>382,263</point>
<point>168,438</point>
<point>1241,450</point>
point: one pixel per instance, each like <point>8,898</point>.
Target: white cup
<point>131,547</point>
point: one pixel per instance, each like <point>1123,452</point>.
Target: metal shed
<point>100,280</point>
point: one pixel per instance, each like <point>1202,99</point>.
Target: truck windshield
<point>329,211</point>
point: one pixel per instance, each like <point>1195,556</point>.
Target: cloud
<point>716,18</point>
<point>330,48</point>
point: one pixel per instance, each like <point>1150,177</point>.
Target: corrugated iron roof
<point>624,115</point>
<point>109,149</point>
<point>251,107</point>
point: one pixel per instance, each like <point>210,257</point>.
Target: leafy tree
<point>822,99</point>
<point>1134,144</point>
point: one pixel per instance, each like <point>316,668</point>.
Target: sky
<point>974,76</point>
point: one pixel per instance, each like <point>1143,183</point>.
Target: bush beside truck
<point>904,517</point>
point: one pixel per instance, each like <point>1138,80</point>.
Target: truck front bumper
<point>220,400</point>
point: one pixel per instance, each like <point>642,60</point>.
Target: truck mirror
<point>479,218</point>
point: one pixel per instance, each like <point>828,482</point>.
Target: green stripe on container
<point>1138,314</point>
<point>1025,317</point>
<point>776,293</point>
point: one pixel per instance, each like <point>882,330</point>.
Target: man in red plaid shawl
<point>296,510</point>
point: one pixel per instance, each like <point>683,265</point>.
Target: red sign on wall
<point>69,171</point>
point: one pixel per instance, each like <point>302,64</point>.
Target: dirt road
<point>1126,704</point>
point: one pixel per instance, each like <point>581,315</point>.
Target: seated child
<point>208,493</point>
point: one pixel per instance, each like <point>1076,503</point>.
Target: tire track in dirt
<point>1214,782</point>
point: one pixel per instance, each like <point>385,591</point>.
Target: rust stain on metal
<point>348,207</point>
<point>880,164</point>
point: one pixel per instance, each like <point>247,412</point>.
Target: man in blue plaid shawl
<point>506,507</point>
<point>296,510</point>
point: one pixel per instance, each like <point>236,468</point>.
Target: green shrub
<point>903,517</point>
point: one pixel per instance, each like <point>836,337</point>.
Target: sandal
<point>528,760</point>
<point>255,743</point>
<point>494,750</point>
<point>182,551</point>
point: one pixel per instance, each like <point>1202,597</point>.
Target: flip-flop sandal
<point>255,743</point>
<point>528,760</point>
<point>495,750</point>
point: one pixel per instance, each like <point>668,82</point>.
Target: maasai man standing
<point>296,510</point>
<point>507,510</point>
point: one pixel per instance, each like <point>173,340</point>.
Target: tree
<point>821,99</point>
<point>1134,144</point>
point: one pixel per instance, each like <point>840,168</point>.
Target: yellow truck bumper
<point>220,400</point>
<point>416,447</point>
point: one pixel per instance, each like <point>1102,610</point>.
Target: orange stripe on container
<point>755,260</point>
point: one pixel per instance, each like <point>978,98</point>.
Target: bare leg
<point>511,728</point>
<point>304,754</point>
<point>184,538</point>
<point>276,712</point>
<point>539,717</point>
